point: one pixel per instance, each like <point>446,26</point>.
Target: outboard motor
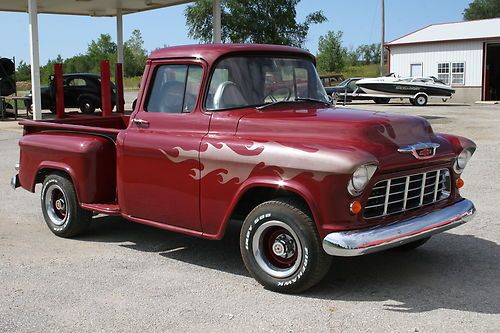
<point>7,82</point>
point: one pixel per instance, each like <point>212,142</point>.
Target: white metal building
<point>463,54</point>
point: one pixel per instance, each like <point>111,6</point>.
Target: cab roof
<point>211,52</point>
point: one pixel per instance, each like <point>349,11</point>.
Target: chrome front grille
<point>396,195</point>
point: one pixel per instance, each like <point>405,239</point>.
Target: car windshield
<point>246,81</point>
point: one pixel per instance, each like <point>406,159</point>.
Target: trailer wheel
<point>281,248</point>
<point>87,105</point>
<point>421,100</point>
<point>64,217</point>
<point>381,100</point>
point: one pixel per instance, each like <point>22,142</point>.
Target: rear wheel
<point>421,100</point>
<point>60,208</point>
<point>87,105</point>
<point>281,247</point>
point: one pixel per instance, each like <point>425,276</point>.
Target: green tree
<point>135,55</point>
<point>23,72</point>
<point>352,56</point>
<point>252,21</point>
<point>332,56</point>
<point>102,49</point>
<point>481,9</point>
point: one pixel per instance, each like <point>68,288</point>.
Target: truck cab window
<point>175,89</point>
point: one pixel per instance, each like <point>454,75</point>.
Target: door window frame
<point>150,73</point>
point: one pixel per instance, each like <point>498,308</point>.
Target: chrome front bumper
<point>364,241</point>
<point>14,182</point>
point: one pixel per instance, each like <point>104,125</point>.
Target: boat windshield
<point>248,81</point>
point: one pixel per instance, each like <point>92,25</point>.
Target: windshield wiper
<point>261,107</point>
<point>298,99</point>
<point>307,99</point>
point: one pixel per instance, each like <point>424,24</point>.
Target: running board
<point>108,209</point>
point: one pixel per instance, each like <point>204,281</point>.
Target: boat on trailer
<point>418,89</point>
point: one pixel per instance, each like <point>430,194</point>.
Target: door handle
<point>140,122</point>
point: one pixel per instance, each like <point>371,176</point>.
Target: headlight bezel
<point>360,178</point>
<point>462,160</point>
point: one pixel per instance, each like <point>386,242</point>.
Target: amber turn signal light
<point>460,183</point>
<point>356,207</point>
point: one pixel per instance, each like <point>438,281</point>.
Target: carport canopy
<point>97,8</point>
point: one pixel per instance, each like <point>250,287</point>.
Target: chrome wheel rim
<point>277,249</point>
<point>86,106</point>
<point>56,205</point>
<point>421,100</point>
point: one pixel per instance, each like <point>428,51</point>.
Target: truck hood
<point>368,136</point>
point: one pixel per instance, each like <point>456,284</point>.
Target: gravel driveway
<point>125,277</point>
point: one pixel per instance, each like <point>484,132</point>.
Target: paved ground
<point>123,277</point>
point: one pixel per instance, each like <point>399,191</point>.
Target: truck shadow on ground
<point>457,272</point>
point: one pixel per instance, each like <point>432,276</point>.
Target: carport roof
<point>89,7</point>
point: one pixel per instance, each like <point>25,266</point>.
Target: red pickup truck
<point>224,133</point>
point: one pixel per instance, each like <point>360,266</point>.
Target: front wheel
<point>60,208</point>
<point>281,248</point>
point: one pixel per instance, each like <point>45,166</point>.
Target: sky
<point>360,21</point>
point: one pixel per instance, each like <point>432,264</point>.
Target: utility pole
<point>383,41</point>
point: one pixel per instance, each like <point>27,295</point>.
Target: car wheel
<point>60,208</point>
<point>87,106</point>
<point>421,100</point>
<point>413,245</point>
<point>281,248</point>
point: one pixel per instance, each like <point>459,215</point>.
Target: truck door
<point>158,165</point>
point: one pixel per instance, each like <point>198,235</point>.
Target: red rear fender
<point>89,160</point>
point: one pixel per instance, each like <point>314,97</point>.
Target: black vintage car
<point>81,91</point>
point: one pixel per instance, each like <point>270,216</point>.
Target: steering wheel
<point>274,99</point>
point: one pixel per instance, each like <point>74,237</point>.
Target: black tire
<point>280,228</point>
<point>413,245</point>
<point>412,102</point>
<point>381,100</point>
<point>87,105</point>
<point>421,100</point>
<point>60,208</point>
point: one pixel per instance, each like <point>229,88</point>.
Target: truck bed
<point>93,124</point>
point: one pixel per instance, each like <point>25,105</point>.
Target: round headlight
<point>360,178</point>
<point>462,159</point>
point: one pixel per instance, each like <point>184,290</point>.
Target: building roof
<point>211,52</point>
<point>88,7</point>
<point>456,31</point>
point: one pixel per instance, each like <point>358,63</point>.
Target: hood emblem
<point>421,151</point>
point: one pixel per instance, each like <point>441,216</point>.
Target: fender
<point>89,160</point>
<point>274,183</point>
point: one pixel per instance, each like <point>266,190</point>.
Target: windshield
<point>244,81</point>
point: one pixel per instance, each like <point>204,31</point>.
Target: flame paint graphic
<point>237,161</point>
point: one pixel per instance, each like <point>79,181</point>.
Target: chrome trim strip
<point>436,189</point>
<point>422,192</point>
<point>369,240</point>
<point>387,193</point>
